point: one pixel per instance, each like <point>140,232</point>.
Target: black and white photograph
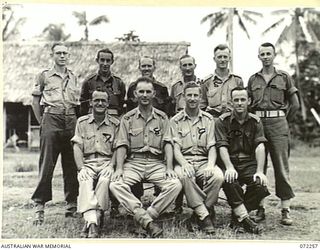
<point>161,122</point>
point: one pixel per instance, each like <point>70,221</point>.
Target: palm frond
<point>276,24</point>
<point>99,20</point>
<point>288,34</point>
<point>243,26</point>
<point>209,16</point>
<point>216,19</point>
<point>81,16</point>
<point>248,18</point>
<point>217,24</point>
<point>280,12</point>
<point>252,13</point>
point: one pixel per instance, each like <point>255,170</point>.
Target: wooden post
<point>29,127</point>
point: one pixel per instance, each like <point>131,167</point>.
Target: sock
<point>201,211</point>
<point>285,204</point>
<point>90,217</point>
<point>241,212</point>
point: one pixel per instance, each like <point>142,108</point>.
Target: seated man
<point>240,139</point>
<point>93,152</point>
<point>144,135</point>
<point>194,150</point>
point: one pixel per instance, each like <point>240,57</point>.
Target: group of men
<point>195,141</point>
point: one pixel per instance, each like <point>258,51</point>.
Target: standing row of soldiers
<point>211,141</point>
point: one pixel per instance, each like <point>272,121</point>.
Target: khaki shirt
<point>176,94</point>
<point>194,138</point>
<point>216,93</point>
<point>273,95</point>
<point>239,138</point>
<point>94,138</point>
<point>57,90</point>
<point>141,135</point>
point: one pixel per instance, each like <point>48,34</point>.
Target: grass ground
<point>20,178</point>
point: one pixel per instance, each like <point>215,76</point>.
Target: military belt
<point>270,113</point>
<point>60,111</point>
<point>146,155</point>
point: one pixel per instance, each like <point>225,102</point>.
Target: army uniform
<point>97,144</point>
<point>241,141</point>
<point>270,101</point>
<point>195,140</point>
<point>145,142</point>
<point>176,95</point>
<point>161,100</point>
<point>216,93</point>
<point>59,99</point>
<point>115,88</point>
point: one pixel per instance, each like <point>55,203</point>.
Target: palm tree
<point>226,16</point>
<point>298,30</point>
<point>55,32</point>
<point>10,26</point>
<point>83,21</point>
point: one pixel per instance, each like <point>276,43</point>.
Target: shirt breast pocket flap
<point>248,134</point>
<point>50,90</point>
<point>277,93</point>
<point>108,138</point>
<point>186,139</point>
<point>156,131</point>
<point>88,140</point>
<point>202,136</point>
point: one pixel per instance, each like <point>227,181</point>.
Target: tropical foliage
<point>10,25</point>
<point>55,32</point>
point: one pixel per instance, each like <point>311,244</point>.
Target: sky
<point>160,24</point>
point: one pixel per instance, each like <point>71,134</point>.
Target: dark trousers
<point>254,191</point>
<point>56,132</point>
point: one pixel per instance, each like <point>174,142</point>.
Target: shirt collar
<point>215,75</point>
<point>138,113</point>
<point>276,72</point>
<point>232,117</point>
<point>53,71</point>
<point>187,117</point>
<point>98,76</point>
<point>105,121</point>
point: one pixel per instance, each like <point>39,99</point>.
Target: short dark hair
<point>57,44</point>
<point>221,47</point>
<point>147,57</point>
<point>144,79</point>
<point>192,84</point>
<point>268,45</point>
<point>239,88</point>
<point>187,56</point>
<point>106,50</point>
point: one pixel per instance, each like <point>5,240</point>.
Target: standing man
<point>187,67</point>
<point>55,98</point>
<point>105,81</point>
<point>240,140</point>
<point>144,136</point>
<point>93,145</point>
<point>195,152</point>
<point>161,99</point>
<point>216,88</point>
<point>275,101</point>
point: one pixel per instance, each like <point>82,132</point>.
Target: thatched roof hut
<point>23,61</point>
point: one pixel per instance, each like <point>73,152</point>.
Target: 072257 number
<point>309,245</point>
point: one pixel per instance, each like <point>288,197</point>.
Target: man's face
<point>266,55</point>
<point>222,58</point>
<point>146,67</point>
<point>100,105</point>
<point>240,101</point>
<point>105,61</point>
<point>187,66</point>
<point>192,97</point>
<point>144,93</point>
<point>60,55</point>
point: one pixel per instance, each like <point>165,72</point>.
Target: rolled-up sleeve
<point>167,136</point>
<point>77,138</point>
<point>211,140</point>
<point>38,88</point>
<point>259,135</point>
<point>174,133</point>
<point>122,138</point>
<point>221,135</point>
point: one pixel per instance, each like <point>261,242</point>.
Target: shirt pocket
<point>89,143</point>
<point>107,142</point>
<point>136,138</point>
<point>115,97</point>
<point>73,94</point>
<point>213,97</point>
<point>277,93</point>
<point>155,137</point>
<point>51,92</point>
<point>202,136</point>
<point>186,140</point>
<point>256,92</point>
<point>248,141</point>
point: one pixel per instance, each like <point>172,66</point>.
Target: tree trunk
<point>86,33</point>
<point>230,36</point>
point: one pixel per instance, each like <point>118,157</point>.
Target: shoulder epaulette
<point>237,76</point>
<point>90,76</point>
<point>127,115</point>
<point>177,117</point>
<point>207,77</point>
<point>113,120</point>
<point>257,118</point>
<point>160,83</point>
<point>83,118</point>
<point>117,77</point>
<point>176,83</point>
<point>160,113</point>
<point>208,115</point>
<point>224,116</point>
